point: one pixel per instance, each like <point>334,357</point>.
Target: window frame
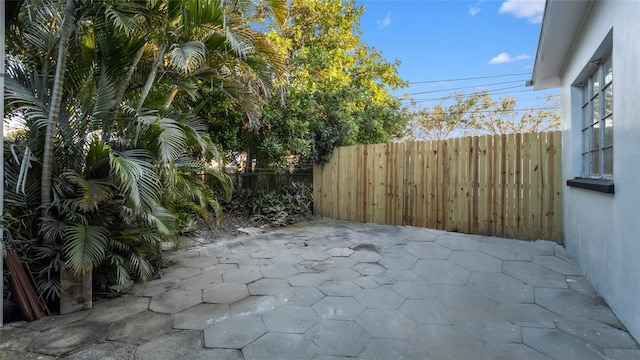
<point>596,126</point>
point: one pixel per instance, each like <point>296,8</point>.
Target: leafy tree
<point>503,116</point>
<point>478,114</point>
<point>336,88</point>
<point>439,122</point>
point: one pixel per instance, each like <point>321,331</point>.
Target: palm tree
<point>113,193</point>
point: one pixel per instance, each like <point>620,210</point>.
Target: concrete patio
<point>336,290</point>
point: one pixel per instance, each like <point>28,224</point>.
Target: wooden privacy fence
<point>502,185</point>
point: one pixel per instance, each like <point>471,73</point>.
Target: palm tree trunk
<point>147,88</point>
<point>124,84</point>
<point>54,108</point>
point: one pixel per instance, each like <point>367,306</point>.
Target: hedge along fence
<point>502,185</point>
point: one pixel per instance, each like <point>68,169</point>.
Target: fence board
<point>504,185</point>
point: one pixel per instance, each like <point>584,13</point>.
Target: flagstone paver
<point>329,290</point>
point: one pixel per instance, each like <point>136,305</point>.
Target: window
<point>597,122</point>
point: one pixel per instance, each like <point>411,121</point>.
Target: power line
<point>508,111</point>
<point>471,78</point>
<point>467,96</point>
<point>469,87</point>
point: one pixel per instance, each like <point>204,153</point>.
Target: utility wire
<point>471,78</point>
<point>466,96</point>
<point>507,111</point>
<point>469,87</point>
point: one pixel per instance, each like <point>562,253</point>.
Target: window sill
<point>600,185</point>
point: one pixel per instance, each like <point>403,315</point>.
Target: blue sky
<point>445,40</point>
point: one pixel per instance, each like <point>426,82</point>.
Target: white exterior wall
<point>602,231</point>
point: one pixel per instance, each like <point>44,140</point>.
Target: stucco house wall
<point>602,231</point>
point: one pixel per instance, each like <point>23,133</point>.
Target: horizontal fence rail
<point>502,185</point>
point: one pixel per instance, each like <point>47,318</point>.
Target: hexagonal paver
<point>501,287</point>
<point>58,341</point>
<point>339,288</point>
<point>340,338</point>
<point>338,308</point>
<point>568,303</point>
<point>558,344</point>
<point>140,328</point>
<point>459,241</point>
<point>399,263</point>
<point>428,312</point>
<point>179,273</point>
<point>199,261</point>
<point>243,275</point>
<point>225,293</point>
<point>340,252</point>
<point>315,255</point>
<point>403,275</point>
<point>597,333</point>
<point>174,345</point>
<point>464,299</point>
<point>379,298</point>
<point>388,324</point>
<point>500,252</point>
<point>201,282</point>
<point>105,350</point>
<point>511,351</point>
<point>424,250</point>
<point>533,274</point>
<point>367,282</point>
<point>234,333</point>
<point>308,279</point>
<point>414,289</point>
<point>366,256</point>
<point>200,316</point>
<point>368,268</point>
<point>175,301</point>
<point>118,309</point>
<point>441,272</point>
<point>476,261</point>
<point>300,296</point>
<point>557,264</point>
<point>385,349</point>
<point>264,254</point>
<point>287,259</point>
<point>279,346</point>
<point>268,287</point>
<point>341,273</point>
<point>150,289</point>
<point>448,342</point>
<point>497,332</point>
<point>291,319</point>
<point>278,271</point>
<point>255,305</point>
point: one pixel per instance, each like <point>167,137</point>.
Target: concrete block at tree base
<point>76,291</point>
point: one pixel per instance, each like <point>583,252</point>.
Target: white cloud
<point>505,58</point>
<point>473,10</point>
<point>383,23</point>
<point>532,10</point>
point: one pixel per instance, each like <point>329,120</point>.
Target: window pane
<point>608,71</point>
<point>608,161</point>
<point>608,131</point>
<point>586,116</point>
<point>596,109</point>
<point>596,136</point>
<point>595,84</point>
<point>586,164</point>
<point>586,144</point>
<point>595,162</point>
<point>608,100</point>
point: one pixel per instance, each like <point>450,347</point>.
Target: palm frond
<point>188,56</point>
<point>84,246</point>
